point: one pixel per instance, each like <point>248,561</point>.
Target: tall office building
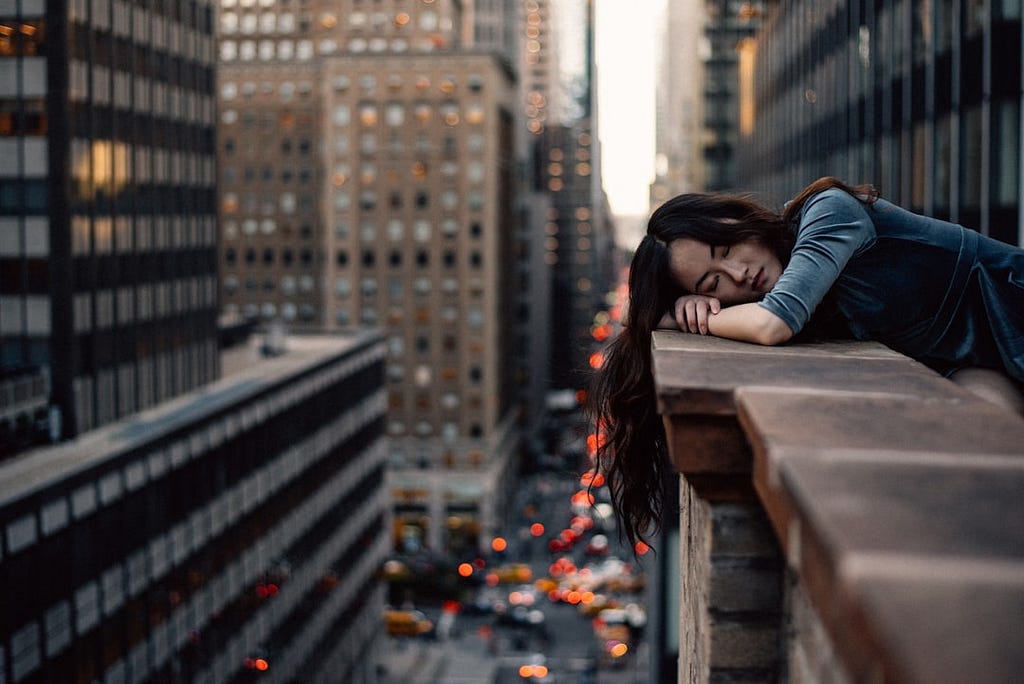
<point>730,54</point>
<point>235,532</point>
<point>540,91</point>
<point>368,179</point>
<point>107,211</point>
<point>921,99</point>
<point>495,27</point>
<point>578,230</point>
<point>679,121</point>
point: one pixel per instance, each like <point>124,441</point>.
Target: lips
<point>758,280</point>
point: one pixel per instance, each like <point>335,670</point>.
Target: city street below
<point>563,602</point>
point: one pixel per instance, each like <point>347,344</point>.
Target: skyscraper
<point>107,207</point>
<point>920,99</point>
<point>559,81</point>
<point>239,527</point>
<point>368,179</point>
<point>730,51</point>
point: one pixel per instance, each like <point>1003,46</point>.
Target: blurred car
<point>522,616</point>
<point>613,639</point>
<point>407,623</point>
<point>514,573</point>
<point>545,585</point>
<point>481,604</point>
<point>535,669</point>
<point>597,546</point>
<point>600,603</point>
<point>525,595</point>
<point>558,545</point>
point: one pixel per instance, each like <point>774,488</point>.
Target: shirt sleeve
<point>833,227</point>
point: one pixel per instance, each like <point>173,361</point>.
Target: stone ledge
<point>868,494</point>
<point>896,496</point>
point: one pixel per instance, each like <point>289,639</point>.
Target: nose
<point>735,270</point>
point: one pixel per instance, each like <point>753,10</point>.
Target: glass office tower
<point>231,534</point>
<point>922,98</point>
<point>108,263</point>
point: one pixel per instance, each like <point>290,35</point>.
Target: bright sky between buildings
<point>625,46</point>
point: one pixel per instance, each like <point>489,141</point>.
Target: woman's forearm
<point>749,323</point>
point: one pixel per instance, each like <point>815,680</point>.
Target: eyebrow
<point>696,288</point>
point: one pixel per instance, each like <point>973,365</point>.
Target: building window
<point>396,229</point>
<point>368,114</point>
<point>342,115</point>
<point>394,114</point>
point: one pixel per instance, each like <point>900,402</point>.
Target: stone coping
<point>896,496</point>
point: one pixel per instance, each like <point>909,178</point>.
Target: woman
<point>838,262</point>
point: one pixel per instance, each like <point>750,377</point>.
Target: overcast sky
<point>625,44</point>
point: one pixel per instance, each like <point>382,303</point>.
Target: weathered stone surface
<point>707,444</point>
<point>946,420</point>
<point>692,380</point>
<point>954,629</point>
<point>739,585</point>
<point>742,530</point>
<point>670,340</point>
<point>737,645</point>
<point>897,497</point>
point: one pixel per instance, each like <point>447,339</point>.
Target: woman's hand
<point>692,312</point>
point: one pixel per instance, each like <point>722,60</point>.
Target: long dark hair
<point>631,449</point>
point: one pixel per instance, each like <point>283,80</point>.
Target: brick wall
<point>731,615</point>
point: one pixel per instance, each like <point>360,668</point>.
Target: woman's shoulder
<point>835,213</point>
<point>835,204</point>
<point>834,197</point>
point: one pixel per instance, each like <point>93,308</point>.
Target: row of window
<point>308,312</point>
<point>289,284</point>
<point>125,234</point>
<point>286,90</point>
<point>422,286</point>
<point>270,22</point>
<point>289,312</point>
<point>368,114</point>
<point>369,200</point>
<point>22,38</point>
<point>368,145</point>
<point>100,85</point>
<point>266,226</point>
<point>303,50</point>
<point>143,302</point>
<point>290,203</point>
<point>120,391</point>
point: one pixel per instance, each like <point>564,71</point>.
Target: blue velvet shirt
<point>935,291</point>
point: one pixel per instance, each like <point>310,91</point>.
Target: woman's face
<point>738,274</point>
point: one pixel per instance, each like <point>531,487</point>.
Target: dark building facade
<point>922,98</point>
<point>107,205</point>
<point>730,25</point>
<point>231,533</point>
<point>577,245</point>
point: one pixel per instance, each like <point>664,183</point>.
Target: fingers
<point>692,313</point>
